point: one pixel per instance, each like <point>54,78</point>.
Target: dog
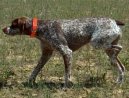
<point>67,36</point>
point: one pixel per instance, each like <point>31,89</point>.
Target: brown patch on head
<point>14,23</point>
<point>19,21</point>
<point>22,20</point>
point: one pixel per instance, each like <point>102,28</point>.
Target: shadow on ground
<point>88,83</point>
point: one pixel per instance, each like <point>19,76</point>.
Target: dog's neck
<point>41,24</point>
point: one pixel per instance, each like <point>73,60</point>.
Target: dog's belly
<point>75,41</point>
<point>75,45</point>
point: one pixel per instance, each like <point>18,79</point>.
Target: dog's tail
<point>119,23</point>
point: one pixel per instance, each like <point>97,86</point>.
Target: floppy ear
<point>22,20</point>
<point>22,23</point>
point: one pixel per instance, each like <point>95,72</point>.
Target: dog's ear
<point>22,20</point>
<point>19,21</point>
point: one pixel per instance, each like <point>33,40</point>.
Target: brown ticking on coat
<point>66,36</point>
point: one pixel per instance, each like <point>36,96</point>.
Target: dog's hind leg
<point>113,52</point>
<point>46,54</point>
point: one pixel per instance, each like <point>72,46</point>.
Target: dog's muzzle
<point>6,30</point>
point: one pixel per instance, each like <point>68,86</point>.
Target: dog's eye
<point>14,24</point>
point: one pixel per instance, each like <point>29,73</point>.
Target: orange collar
<point>34,27</point>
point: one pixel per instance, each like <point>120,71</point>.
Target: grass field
<point>92,73</point>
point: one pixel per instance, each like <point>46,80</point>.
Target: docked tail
<point>119,23</point>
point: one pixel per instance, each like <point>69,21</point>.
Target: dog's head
<point>18,27</point>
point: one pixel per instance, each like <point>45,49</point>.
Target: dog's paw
<point>68,85</point>
<point>120,79</point>
<point>31,81</point>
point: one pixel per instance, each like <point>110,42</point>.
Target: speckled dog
<point>66,36</point>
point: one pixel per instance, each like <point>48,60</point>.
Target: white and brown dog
<point>66,36</point>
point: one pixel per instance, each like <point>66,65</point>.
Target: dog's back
<point>78,32</point>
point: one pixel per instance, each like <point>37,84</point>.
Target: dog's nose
<point>4,30</point>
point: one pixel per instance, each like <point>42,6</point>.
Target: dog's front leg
<point>46,54</point>
<point>68,62</point>
<point>67,56</point>
<point>66,53</point>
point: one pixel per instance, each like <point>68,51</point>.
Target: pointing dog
<point>67,36</point>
